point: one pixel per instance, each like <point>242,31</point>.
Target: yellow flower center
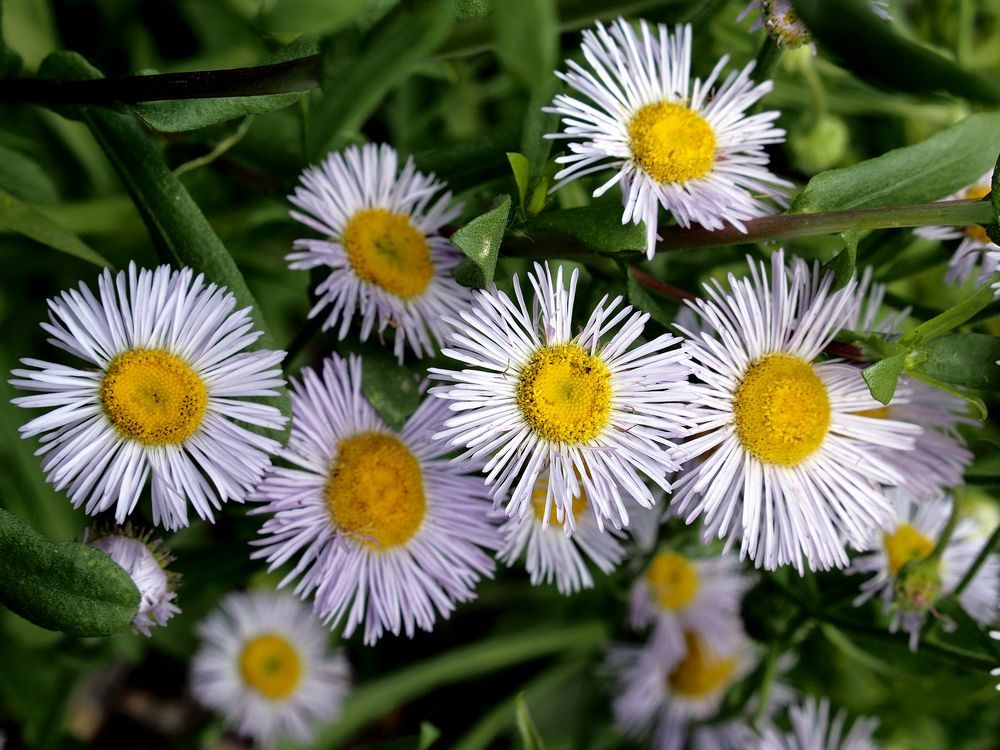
<point>671,142</point>
<point>565,394</point>
<point>781,410</point>
<point>538,493</point>
<point>905,544</point>
<point>701,672</point>
<point>271,666</point>
<point>375,493</point>
<point>976,232</point>
<point>153,396</point>
<point>673,580</point>
<point>385,249</point>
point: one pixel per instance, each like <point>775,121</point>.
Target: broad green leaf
<point>313,17</point>
<point>599,227</point>
<point>23,219</point>
<point>391,51</point>
<point>968,360</point>
<point>392,389</point>
<point>24,178</point>
<point>642,299</point>
<point>927,171</point>
<point>530,738</point>
<point>70,587</point>
<point>519,166</point>
<point>527,40</point>
<point>844,262</point>
<point>480,241</point>
<point>871,48</point>
<point>190,114</point>
<point>883,376</point>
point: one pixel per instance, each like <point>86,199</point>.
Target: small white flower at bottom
<point>812,729</point>
<point>146,565</point>
<point>264,665</point>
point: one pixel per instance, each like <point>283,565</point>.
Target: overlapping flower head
<point>168,377</point>
<point>784,466</point>
<point>264,665</point>
<point>591,409</point>
<point>685,145</point>
<point>976,256</point>
<point>813,729</point>
<point>909,579</point>
<point>388,264</point>
<point>384,530</point>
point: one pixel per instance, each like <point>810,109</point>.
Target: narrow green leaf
<point>882,377</point>
<point>971,398</point>
<point>352,91</point>
<point>314,17</point>
<point>843,263</point>
<point>191,114</point>
<point>527,40</point>
<point>530,738</point>
<point>480,241</point>
<point>23,219</point>
<point>873,49</point>
<point>24,178</point>
<point>927,171</point>
<point>522,173</point>
<point>599,227</point>
<point>962,359</point>
<point>70,587</point>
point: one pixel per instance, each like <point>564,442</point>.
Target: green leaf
<point>599,227</point>
<point>527,40</point>
<point>191,114</point>
<point>429,734</point>
<point>480,241</point>
<point>393,390</point>
<point>352,90</point>
<point>929,170</point>
<point>993,230</point>
<point>10,61</point>
<point>882,377</point>
<point>530,739</point>
<point>641,298</point>
<point>971,398</point>
<point>313,17</point>
<point>873,49</point>
<point>24,178</point>
<point>22,219</point>
<point>954,316</point>
<point>70,587</point>
<point>843,263</point>
<point>963,359</point>
<point>522,173</point>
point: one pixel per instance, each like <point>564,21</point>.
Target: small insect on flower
<point>784,461</point>
<point>168,381</point>
<point>665,688</point>
<point>677,593</point>
<point>784,25</point>
<point>388,263</point>
<point>264,665</point>
<point>812,729</point>
<point>146,563</point>
<point>975,251</point>
<point>388,532</point>
<point>909,580</point>
<point>590,410</point>
<point>687,146</point>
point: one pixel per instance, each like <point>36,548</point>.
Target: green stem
<point>980,560</point>
<point>378,697</point>
<point>770,670</point>
<point>953,316</point>
<point>767,57</point>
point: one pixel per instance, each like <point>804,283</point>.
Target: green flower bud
<point>820,147</point>
<point>918,584</point>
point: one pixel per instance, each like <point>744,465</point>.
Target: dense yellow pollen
<point>271,666</point>
<point>375,493</point>
<point>906,544</point>
<point>673,580</point>
<point>976,232</point>
<point>153,396</point>
<point>538,493</point>
<point>385,249</point>
<point>671,142</point>
<point>701,671</point>
<point>565,394</point>
<point>781,410</point>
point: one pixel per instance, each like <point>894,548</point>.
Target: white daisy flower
<point>388,263</point>
<point>588,408</point>
<point>975,251</point>
<point>386,530</point>
<point>911,537</point>
<point>688,146</point>
<point>785,462</point>
<point>169,378</point>
<point>146,563</point>
<point>678,593</point>
<point>667,688</point>
<point>812,729</point>
<point>264,665</point>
